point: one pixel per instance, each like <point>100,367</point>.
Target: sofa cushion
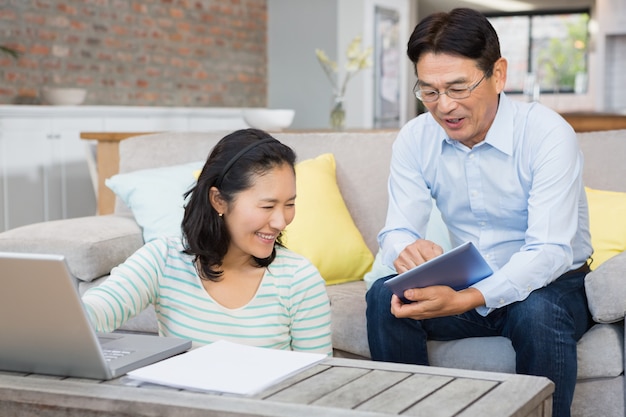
<point>91,245</point>
<point>607,224</point>
<point>606,290</point>
<point>347,307</point>
<point>492,354</point>
<point>323,230</point>
<point>601,351</point>
<point>155,196</point>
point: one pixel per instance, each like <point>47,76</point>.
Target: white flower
<point>358,59</point>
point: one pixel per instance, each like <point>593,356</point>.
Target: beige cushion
<point>601,351</point>
<point>347,306</point>
<point>606,290</point>
<point>91,245</point>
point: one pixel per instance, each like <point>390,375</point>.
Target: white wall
<point>611,55</point>
<point>296,80</point>
<point>404,9</point>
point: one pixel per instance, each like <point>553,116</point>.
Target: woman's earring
<point>220,214</point>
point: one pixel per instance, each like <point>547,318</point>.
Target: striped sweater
<point>289,311</point>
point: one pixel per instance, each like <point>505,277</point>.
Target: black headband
<point>239,154</point>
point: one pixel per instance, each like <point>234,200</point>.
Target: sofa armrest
<point>606,290</point>
<point>92,245</point>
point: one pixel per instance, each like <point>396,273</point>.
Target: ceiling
<point>426,7</point>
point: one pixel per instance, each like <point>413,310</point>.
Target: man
<point>505,175</point>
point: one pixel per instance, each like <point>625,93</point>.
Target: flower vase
<point>337,114</point>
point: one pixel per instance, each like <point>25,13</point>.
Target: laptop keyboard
<point>112,354</point>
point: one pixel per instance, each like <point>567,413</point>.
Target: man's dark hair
<point>463,32</point>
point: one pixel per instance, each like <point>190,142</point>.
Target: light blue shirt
<point>518,195</point>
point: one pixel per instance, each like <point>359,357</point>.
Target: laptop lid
<point>458,268</point>
<point>45,328</point>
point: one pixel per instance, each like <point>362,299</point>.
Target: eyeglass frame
<point>469,90</point>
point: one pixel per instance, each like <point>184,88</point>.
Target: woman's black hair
<point>231,167</point>
<point>463,32</point>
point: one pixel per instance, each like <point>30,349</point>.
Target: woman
<point>229,277</point>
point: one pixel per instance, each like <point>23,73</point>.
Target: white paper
<point>227,367</point>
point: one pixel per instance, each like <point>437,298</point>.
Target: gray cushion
<point>599,398</point>
<point>91,245</point>
<point>493,354</point>
<point>347,304</point>
<point>606,290</point>
<point>601,351</point>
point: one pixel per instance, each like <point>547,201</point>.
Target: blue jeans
<point>543,329</point>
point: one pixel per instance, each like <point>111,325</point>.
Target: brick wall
<point>209,53</point>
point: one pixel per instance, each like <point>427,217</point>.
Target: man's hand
<point>416,254</point>
<point>435,301</point>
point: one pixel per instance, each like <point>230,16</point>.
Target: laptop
<point>44,327</point>
<point>458,268</point>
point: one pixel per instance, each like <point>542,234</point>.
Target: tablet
<point>458,268</point>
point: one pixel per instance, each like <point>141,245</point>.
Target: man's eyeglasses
<point>457,93</point>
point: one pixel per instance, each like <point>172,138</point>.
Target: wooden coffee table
<point>336,387</point>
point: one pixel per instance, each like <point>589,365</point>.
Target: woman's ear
<point>217,201</point>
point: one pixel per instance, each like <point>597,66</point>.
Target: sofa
<point>95,244</point>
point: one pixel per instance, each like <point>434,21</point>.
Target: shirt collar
<point>500,134</point>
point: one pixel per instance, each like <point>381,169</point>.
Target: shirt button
<point>501,300</point>
<point>471,156</point>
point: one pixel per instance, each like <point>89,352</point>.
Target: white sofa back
<point>605,159</point>
<point>362,164</point>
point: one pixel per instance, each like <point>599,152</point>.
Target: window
<point>546,49</point>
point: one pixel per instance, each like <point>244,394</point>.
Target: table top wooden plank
<point>516,397</point>
<point>459,393</point>
<point>315,387</point>
<point>291,381</point>
<point>77,399</point>
<point>404,394</point>
<point>334,388</point>
<point>354,393</point>
<point>420,369</point>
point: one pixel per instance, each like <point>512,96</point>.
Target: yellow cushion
<point>323,230</point>
<point>607,224</point>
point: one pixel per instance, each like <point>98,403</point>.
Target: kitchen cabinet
<point>47,172</point>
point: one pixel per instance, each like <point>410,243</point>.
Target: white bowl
<point>268,119</point>
<point>63,96</point>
